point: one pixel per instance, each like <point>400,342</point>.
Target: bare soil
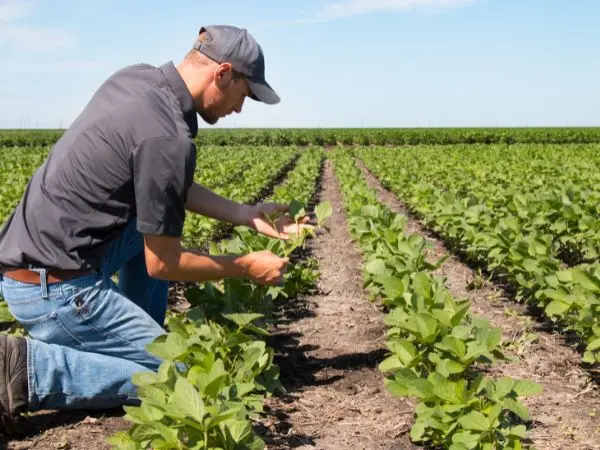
<point>566,414</point>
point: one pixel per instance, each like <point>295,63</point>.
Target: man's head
<point>225,66</point>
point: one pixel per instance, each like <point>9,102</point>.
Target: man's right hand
<point>264,267</point>
<point>167,260</point>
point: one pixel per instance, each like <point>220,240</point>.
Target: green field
<point>519,205</point>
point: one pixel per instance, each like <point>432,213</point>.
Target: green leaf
<point>460,315</point>
<point>396,388</point>
<point>255,443</point>
<point>587,281</point>
<point>144,378</point>
<point>187,400</point>
<point>143,432</point>
<point>140,415</point>
<point>426,325</point>
<point>369,211</point>
<point>404,350</point>
<point>504,386</point>
<point>594,345</point>
<point>376,267</point>
<point>466,438</point>
<point>516,407</point>
<point>556,308</point>
<point>391,364</point>
<point>154,396</point>
<point>474,421</point>
<point>122,441</point>
<point>417,432</point>
<point>168,434</point>
<point>297,210</point>
<point>216,379</point>
<point>5,314</point>
<point>449,391</point>
<point>323,211</point>
<point>589,357</point>
<point>172,348</point>
<point>241,320</point>
<point>393,286</point>
<point>459,446</point>
<point>525,388</point>
<point>452,345</point>
<point>519,431</point>
<point>448,367</point>
<point>238,430</point>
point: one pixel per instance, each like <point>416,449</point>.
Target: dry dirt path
<point>330,345</point>
<point>567,414</point>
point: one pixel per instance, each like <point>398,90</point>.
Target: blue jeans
<point>88,335</point>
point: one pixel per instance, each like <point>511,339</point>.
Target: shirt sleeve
<point>163,171</point>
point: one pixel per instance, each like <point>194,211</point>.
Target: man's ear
<point>225,70</point>
<point>224,75</point>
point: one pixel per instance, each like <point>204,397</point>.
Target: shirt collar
<point>183,95</point>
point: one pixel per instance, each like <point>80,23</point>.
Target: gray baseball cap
<point>226,43</point>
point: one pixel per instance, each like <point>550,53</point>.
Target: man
<point>111,198</point>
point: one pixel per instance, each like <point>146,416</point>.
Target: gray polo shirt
<point>130,155</point>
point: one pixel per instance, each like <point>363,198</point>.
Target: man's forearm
<point>197,267</point>
<point>201,200</point>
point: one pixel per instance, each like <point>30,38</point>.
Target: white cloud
<point>34,39</point>
<point>347,8</point>
<point>15,35</point>
<point>12,9</point>
<point>357,7</point>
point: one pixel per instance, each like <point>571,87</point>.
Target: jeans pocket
<point>82,295</point>
<point>30,312</point>
<point>26,304</point>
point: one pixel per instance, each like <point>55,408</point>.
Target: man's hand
<point>269,219</point>
<point>264,268</point>
<point>167,260</point>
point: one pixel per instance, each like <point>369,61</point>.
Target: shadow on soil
<point>42,421</point>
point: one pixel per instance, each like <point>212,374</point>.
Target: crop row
<point>349,136</point>
<point>437,347</point>
<point>505,245</point>
<point>217,369</point>
<point>548,189</point>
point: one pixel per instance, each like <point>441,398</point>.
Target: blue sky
<point>335,63</point>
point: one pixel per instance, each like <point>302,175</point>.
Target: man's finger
<point>283,235</point>
<point>279,207</point>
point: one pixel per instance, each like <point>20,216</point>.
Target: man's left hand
<point>270,219</point>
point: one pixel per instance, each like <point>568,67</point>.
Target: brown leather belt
<point>52,275</point>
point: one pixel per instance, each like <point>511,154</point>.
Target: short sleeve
<point>163,171</point>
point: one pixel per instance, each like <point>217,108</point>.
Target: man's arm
<point>203,201</point>
<point>167,259</point>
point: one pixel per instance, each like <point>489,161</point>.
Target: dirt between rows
<point>329,346</point>
<point>566,414</point>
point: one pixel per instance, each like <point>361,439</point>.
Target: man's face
<point>225,95</point>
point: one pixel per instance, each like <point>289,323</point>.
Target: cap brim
<point>262,92</point>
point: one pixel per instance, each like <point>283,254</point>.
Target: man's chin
<point>209,119</point>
